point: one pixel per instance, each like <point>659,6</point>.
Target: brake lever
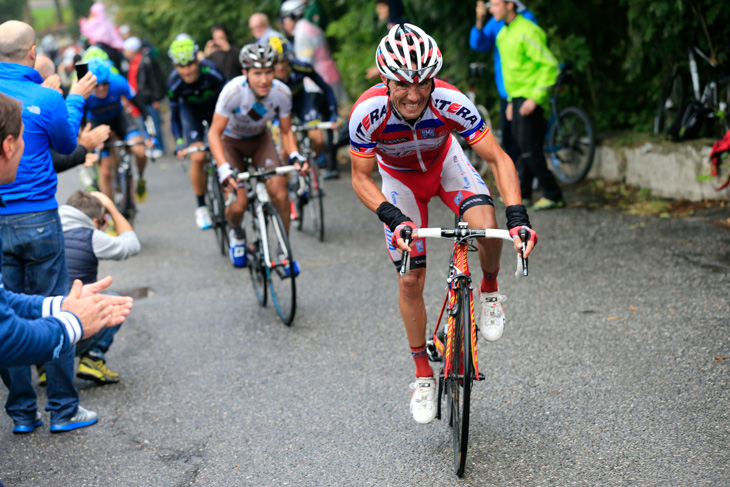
<point>523,233</point>
<point>405,265</point>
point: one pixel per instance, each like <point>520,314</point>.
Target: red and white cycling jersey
<point>376,129</point>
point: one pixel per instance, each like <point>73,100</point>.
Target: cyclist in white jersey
<point>239,130</point>
<point>404,125</point>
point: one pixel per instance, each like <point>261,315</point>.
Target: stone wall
<point>669,170</point>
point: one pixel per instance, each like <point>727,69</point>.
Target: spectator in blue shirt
<point>30,228</point>
<point>483,38</point>
<point>33,328</point>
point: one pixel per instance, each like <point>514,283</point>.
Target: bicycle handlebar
<point>315,125</point>
<point>463,233</point>
<point>245,176</point>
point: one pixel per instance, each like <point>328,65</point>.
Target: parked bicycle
<point>268,251</point>
<point>456,345</point>
<point>570,142</point>
<point>306,193</point>
<point>685,104</point>
<point>214,199</point>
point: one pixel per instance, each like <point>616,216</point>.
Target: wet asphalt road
<point>614,368</point>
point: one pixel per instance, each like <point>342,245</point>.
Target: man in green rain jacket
<point>529,70</point>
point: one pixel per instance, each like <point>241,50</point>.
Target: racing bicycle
<point>684,104</point>
<point>268,251</point>
<point>570,142</point>
<point>214,199</point>
<point>123,178</point>
<point>455,347</point>
<point>306,192</point>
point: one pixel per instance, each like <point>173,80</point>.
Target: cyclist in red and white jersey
<point>404,125</point>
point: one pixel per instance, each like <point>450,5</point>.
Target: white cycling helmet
<point>258,55</point>
<point>293,8</point>
<point>408,54</point>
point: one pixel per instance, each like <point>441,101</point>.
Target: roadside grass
<point>45,18</point>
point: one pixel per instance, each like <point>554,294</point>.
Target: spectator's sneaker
<point>81,419</point>
<point>41,374</point>
<point>331,174</point>
<point>423,401</point>
<point>141,190</point>
<point>202,218</point>
<point>237,249</point>
<point>97,371</point>
<point>23,428</point>
<point>491,325</point>
<point>546,204</point>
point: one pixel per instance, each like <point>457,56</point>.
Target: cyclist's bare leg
<point>280,198</point>
<point>489,249</point>
<point>234,212</point>
<point>139,155</point>
<point>316,137</point>
<point>198,175</point>
<point>105,176</point>
<point>412,306</point>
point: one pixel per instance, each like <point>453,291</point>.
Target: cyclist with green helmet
<point>193,90</point>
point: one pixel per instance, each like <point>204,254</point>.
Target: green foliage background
<point>622,50</point>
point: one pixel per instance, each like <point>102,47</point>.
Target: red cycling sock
<point>489,282</point>
<point>423,367</point>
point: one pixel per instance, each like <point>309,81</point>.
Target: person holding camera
<point>223,54</point>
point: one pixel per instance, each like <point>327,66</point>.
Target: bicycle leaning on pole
<point>684,104</point>
<point>268,251</point>
<point>456,345</point>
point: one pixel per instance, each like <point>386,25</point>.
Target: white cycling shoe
<point>202,218</point>
<point>491,325</point>
<point>423,401</point>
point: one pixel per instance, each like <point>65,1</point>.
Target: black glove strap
<point>390,215</point>
<point>517,216</point>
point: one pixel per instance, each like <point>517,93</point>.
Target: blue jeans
<point>34,262</point>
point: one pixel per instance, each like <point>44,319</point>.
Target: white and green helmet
<point>183,50</point>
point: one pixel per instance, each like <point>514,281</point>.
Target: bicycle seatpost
<point>405,263</point>
<point>523,236</point>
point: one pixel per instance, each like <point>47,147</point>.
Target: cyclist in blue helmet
<point>104,106</point>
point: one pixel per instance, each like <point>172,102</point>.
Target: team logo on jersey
<point>34,110</point>
<point>393,194</point>
<point>370,119</point>
<point>419,246</point>
<point>257,112</point>
<point>458,198</point>
<point>428,133</point>
<point>456,109</point>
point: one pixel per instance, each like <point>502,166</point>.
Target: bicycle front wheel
<point>280,270</point>
<point>316,201</point>
<point>460,380</point>
<point>256,260</point>
<point>126,188</point>
<point>571,145</point>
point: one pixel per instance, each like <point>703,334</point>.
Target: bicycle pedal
<point>433,353</point>
<point>481,376</point>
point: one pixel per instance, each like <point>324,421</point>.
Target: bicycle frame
<point>458,279</point>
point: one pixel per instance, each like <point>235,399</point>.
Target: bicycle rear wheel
<point>256,262</point>
<point>460,380</point>
<point>571,145</point>
<point>316,201</point>
<point>672,101</point>
<point>280,273</point>
<point>217,208</point>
